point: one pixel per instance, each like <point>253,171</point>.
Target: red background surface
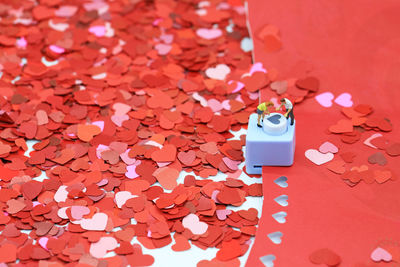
<point>354,47</point>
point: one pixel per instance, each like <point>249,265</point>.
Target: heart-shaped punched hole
<point>282,181</point>
<point>276,237</point>
<point>282,200</point>
<point>280,216</point>
<point>267,260</point>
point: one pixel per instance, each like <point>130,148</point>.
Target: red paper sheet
<point>348,45</point>
<point>351,47</point>
<point>323,211</point>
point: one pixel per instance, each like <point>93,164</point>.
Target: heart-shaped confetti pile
<point>123,99</point>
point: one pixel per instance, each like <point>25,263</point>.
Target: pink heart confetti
<point>97,223</point>
<point>235,174</point>
<point>257,67</point>
<point>219,72</point>
<point>62,213</point>
<point>167,38</point>
<point>99,76</point>
<point>199,98</point>
<point>157,21</point>
<point>239,86</point>
<point>101,247</point>
<point>77,212</point>
<point>317,157</point>
<point>226,105</point>
<point>163,164</point>
<point>344,100</point>
<point>56,49</point>
<point>118,120</point>
<point>61,27</point>
<point>43,242</point>
<point>121,109</point>
<point>101,148</point>
<point>121,197</point>
<point>192,222</point>
<point>125,158</point>
<point>21,42</point>
<point>214,196</point>
<point>231,164</point>
<point>163,49</point>
<point>214,104</point>
<point>253,96</point>
<point>380,254</point>
<point>66,11</point>
<point>102,182</point>
<point>100,124</point>
<point>328,147</point>
<point>153,143</point>
<point>325,99</point>
<point>62,194</point>
<point>209,34</point>
<point>99,31</point>
<point>131,172</point>
<point>222,214</point>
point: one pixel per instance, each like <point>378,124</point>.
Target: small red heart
<point>336,166</point>
<point>214,160</point>
<point>250,214</point>
<point>363,109</point>
<point>11,231</point>
<point>4,149</point>
<point>31,189</point>
<point>138,258</point>
<point>348,157</point>
<point>125,248</point>
<point>309,83</point>
<point>342,126</point>
<point>382,176</point>
<point>160,100</point>
<point>229,250</point>
<point>229,195</point>
<point>256,81</point>
<point>393,150</point>
<point>325,256</point>
<point>8,253</point>
<point>165,154</point>
<point>181,243</point>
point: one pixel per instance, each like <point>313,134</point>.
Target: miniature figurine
<point>289,109</point>
<point>274,145</point>
<point>261,110</point>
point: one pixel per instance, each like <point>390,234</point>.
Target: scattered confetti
<point>123,99</point>
<point>380,254</point>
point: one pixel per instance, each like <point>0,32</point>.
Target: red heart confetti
<point>325,256</point>
<point>122,99</point>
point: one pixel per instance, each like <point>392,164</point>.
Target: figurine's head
<point>283,100</point>
<point>269,104</point>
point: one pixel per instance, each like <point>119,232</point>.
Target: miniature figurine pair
<point>263,108</point>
